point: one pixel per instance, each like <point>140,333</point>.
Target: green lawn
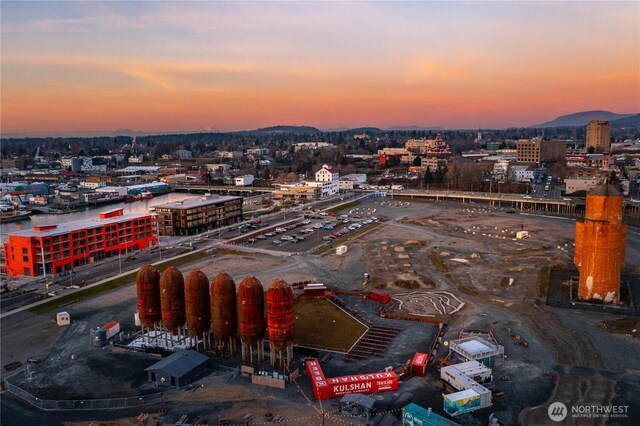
<point>321,324</point>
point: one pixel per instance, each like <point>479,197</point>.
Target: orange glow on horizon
<point>258,78</point>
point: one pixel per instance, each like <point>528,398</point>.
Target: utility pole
<point>44,266</point>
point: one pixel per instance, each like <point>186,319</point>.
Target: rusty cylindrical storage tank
<point>172,299</point>
<point>600,245</point>
<point>224,316</point>
<point>196,298</point>
<point>251,322</point>
<point>148,290</point>
<point>280,319</point>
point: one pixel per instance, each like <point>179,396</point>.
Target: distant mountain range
<point>281,129</point>
<point>583,118</point>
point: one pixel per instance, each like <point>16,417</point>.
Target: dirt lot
<point>466,251</point>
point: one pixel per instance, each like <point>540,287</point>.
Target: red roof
<point>110,325</point>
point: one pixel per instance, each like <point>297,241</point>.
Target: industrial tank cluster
<point>167,302</point>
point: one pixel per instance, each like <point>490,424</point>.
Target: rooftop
<point>474,347</point>
<point>467,393</point>
<point>65,228</point>
<point>604,189</point>
<point>197,202</point>
<point>180,363</point>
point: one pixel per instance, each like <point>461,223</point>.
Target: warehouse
<point>178,369</point>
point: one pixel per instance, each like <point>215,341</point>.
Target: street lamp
<point>158,235</point>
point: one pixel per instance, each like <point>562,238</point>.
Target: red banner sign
<point>338,386</point>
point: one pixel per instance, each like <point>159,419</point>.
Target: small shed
<point>63,318</point>
<point>178,369</point>
<point>341,249</point>
<point>357,405</point>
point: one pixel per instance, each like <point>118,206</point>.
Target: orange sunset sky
<point>165,67</point>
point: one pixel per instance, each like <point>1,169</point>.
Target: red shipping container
<point>363,383</point>
<point>318,382</point>
<point>379,296</point>
<point>339,386</point>
<point>419,364</point>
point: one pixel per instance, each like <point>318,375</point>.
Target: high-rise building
<point>539,151</point>
<point>598,135</point>
<point>600,245</point>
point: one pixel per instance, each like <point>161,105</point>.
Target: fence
<point>372,195</point>
<point>83,404</point>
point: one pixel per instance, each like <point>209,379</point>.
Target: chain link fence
<point>84,404</point>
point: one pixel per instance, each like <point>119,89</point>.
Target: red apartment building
<point>64,246</point>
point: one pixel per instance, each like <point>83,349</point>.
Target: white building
<point>522,173</point>
<point>327,181</point>
<point>119,191</point>
<point>245,180</point>
<point>466,378</point>
<point>136,159</point>
<point>326,174</point>
<point>92,185</point>
<point>577,184</point>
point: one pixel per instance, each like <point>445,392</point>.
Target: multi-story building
<point>190,217</point>
<point>386,154</point>
<point>418,146</point>
<point>298,191</point>
<point>539,151</point>
<point>61,247</point>
<point>326,174</point>
<point>327,189</point>
<point>598,135</point>
<point>578,184</point>
<point>433,163</point>
<point>327,181</point>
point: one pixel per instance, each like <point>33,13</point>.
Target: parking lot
<point>303,234</point>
